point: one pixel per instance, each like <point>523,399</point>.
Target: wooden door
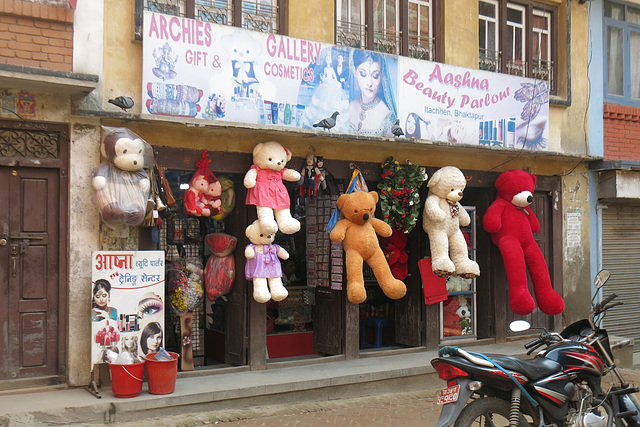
<point>328,321</point>
<point>30,260</point>
<point>408,310</point>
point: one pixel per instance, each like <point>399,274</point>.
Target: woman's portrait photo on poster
<point>372,109</point>
<point>100,309</point>
<point>151,338</point>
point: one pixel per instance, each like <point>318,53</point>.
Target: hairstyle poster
<point>127,304</point>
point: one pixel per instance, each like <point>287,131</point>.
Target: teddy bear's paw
<point>261,294</point>
<point>268,225</point>
<point>278,293</point>
<point>395,289</point>
<point>522,304</point>
<point>356,294</point>
<point>550,302</point>
<point>468,269</point>
<point>443,266</point>
<point>289,226</point>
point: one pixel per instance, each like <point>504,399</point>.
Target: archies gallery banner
<point>213,72</point>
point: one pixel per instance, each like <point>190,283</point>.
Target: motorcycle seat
<point>533,369</point>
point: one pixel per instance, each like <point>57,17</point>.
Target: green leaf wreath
<point>400,194</point>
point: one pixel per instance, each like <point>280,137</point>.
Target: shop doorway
<point>29,272</point>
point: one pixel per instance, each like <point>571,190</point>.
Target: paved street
<point>390,410</point>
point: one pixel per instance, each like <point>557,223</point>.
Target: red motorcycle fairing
<point>554,393</point>
<point>576,358</point>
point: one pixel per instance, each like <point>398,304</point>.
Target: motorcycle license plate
<point>448,395</point>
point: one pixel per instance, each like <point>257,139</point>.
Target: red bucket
<point>126,380</point>
<point>162,374</point>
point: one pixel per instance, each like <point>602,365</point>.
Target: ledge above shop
<point>233,137</point>
<point>45,80</point>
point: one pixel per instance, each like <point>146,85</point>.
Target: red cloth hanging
<point>433,286</point>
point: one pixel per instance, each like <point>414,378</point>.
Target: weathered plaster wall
<point>319,12</point>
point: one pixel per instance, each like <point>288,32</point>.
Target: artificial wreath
<point>400,194</point>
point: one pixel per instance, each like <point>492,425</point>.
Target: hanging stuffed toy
<point>263,264</point>
<point>311,177</point>
<point>267,191</point>
<point>442,218</point>
<point>512,223</point>
<point>358,232</point>
<point>203,196</point>
<point>228,198</point>
<point>121,184</point>
<point>220,271</point>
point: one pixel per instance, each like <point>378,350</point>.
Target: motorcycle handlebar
<point>608,299</point>
<point>533,343</point>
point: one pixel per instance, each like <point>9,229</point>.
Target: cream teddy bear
<point>263,264</point>
<point>442,218</point>
<point>267,191</point>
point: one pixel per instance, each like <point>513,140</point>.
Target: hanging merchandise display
<point>400,194</point>
<point>443,215</point>
<point>328,186</point>
<point>220,271</point>
<point>434,287</point>
<point>121,184</point>
<point>204,196</point>
<point>263,264</point>
<point>311,177</point>
<point>267,191</point>
<point>512,223</point>
<point>356,183</point>
<point>228,198</point>
<point>184,278</point>
<point>394,248</point>
<point>358,232</point>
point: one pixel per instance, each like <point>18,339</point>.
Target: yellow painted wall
<point>311,20</point>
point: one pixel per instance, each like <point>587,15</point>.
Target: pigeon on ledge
<point>327,123</point>
<point>123,102</point>
<point>396,130</point>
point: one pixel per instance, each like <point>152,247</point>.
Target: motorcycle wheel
<point>487,412</point>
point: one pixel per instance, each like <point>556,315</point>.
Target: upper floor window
<point>518,38</point>
<point>622,44</point>
<point>403,27</point>
<point>260,15</point>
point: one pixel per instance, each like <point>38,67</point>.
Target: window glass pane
<point>634,39</point>
<point>515,35</point>
<point>487,9</point>
<point>488,17</point>
<point>614,61</point>
<point>216,11</point>
<point>420,31</point>
<point>633,15</point>
<point>613,11</point>
<point>541,33</point>
<point>260,15</point>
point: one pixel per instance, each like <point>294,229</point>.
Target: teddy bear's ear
<point>286,150</point>
<point>434,179</point>
<point>375,195</point>
<point>247,231</point>
<point>533,179</point>
<point>258,148</point>
<point>341,201</point>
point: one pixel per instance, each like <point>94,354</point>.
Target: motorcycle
<point>560,386</point>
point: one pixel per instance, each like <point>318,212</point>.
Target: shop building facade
<point>315,322</point>
<point>614,108</point>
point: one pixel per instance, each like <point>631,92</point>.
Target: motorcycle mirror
<point>519,325</point>
<point>601,278</point>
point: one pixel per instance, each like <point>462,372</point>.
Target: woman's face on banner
<point>154,342</point>
<point>101,298</point>
<point>368,77</point>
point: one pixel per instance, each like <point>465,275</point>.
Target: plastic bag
<point>163,355</point>
<point>185,279</point>
<point>220,272</point>
<point>357,183</point>
<point>121,184</point>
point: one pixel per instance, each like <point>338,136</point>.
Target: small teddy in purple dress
<point>263,264</point>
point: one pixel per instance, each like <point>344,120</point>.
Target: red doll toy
<point>512,223</point>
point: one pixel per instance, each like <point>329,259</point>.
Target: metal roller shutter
<point>621,256</point>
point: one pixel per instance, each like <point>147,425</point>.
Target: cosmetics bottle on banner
<point>274,113</point>
<point>299,114</point>
<point>287,114</point>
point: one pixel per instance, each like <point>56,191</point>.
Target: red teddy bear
<point>512,223</point>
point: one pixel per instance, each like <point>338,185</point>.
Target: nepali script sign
<point>127,303</point>
<point>210,72</point>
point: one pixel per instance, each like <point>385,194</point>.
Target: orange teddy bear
<point>358,232</point>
